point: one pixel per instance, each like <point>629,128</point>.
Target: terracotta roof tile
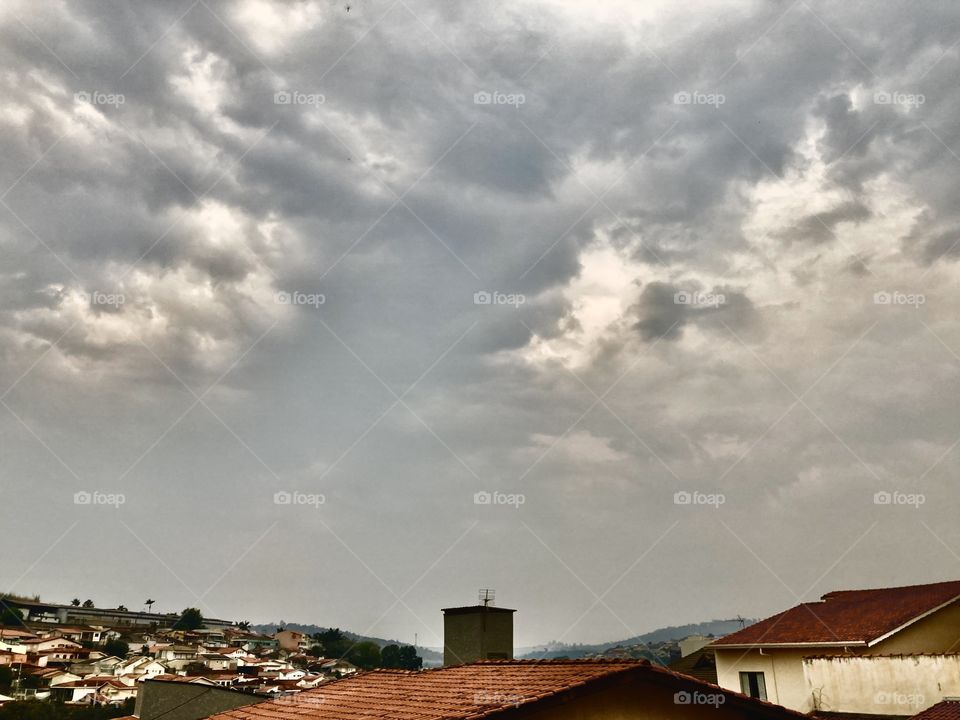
<point>948,709</point>
<point>464,692</point>
<point>846,616</point>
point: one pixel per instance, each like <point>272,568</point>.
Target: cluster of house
<point>882,654</point>
<point>70,663</point>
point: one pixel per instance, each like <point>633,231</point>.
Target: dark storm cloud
<point>616,204</point>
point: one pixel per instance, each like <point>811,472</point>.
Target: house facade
<point>768,660</point>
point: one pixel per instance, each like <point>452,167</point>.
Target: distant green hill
<point>636,646</point>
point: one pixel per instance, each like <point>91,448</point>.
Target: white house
<point>767,660</point>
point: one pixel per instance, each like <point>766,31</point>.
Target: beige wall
<point>782,669</point>
<point>887,685</point>
<point>937,633</point>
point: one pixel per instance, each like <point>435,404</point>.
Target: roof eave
<point>761,646</point>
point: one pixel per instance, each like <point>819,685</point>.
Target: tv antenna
<point>487,596</point>
<point>741,621</point>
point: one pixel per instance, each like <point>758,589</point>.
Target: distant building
<point>292,641</point>
<point>477,632</point>
<point>692,643</point>
<point>75,615</point>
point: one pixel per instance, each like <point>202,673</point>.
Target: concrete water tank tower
<point>477,632</point>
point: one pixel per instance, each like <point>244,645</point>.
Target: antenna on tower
<point>487,596</point>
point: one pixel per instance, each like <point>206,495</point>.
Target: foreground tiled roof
<point>945,710</point>
<point>846,616</point>
<point>470,692</point>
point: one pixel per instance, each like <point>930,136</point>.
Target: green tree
<point>365,655</point>
<point>190,619</point>
<point>9,616</point>
<point>390,656</point>
<point>334,642</point>
<point>75,602</point>
<point>116,647</point>
<point>88,603</point>
<point>409,660</point>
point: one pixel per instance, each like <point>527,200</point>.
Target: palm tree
<point>75,602</point>
<point>149,603</point>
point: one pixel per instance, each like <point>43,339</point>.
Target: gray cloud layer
<point>208,296</point>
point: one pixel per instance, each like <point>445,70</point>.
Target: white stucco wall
<point>782,669</point>
<point>887,685</point>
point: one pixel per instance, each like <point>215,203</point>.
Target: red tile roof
<point>946,710</point>
<point>470,692</point>
<point>846,617</point>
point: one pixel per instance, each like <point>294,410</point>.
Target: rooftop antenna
<point>487,596</point>
<point>741,621</point>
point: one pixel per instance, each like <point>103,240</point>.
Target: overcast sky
<point>285,285</point>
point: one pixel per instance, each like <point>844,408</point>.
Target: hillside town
<point>81,655</point>
<point>878,654</point>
